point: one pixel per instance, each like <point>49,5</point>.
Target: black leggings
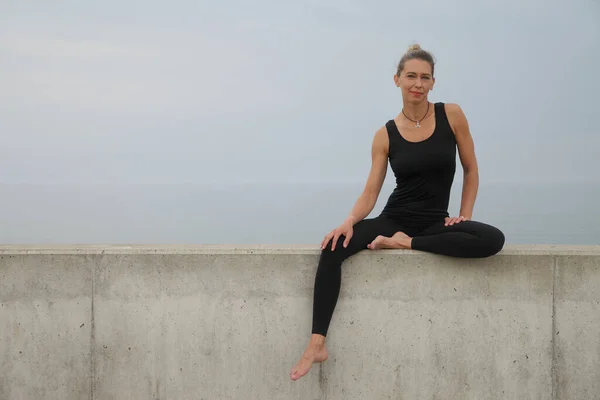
<point>467,239</point>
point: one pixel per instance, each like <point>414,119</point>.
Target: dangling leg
<point>327,286</point>
<point>467,239</point>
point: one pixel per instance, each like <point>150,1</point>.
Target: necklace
<point>418,122</point>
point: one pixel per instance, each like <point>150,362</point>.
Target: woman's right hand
<point>344,229</point>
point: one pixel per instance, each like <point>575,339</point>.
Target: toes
<point>295,375</point>
<point>299,371</point>
<point>375,243</point>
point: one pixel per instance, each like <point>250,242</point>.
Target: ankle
<point>402,241</point>
<point>317,340</point>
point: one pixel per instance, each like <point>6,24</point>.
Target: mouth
<point>416,93</point>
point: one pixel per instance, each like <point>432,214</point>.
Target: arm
<point>379,155</point>
<point>466,150</point>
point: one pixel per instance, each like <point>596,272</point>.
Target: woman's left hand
<point>454,220</point>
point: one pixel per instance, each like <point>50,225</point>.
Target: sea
<point>268,213</point>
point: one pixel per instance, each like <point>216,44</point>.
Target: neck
<point>415,111</point>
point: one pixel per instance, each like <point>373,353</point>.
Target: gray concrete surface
<point>218,322</point>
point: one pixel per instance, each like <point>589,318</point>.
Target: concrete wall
<point>210,323</point>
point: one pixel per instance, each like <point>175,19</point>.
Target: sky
<point>268,91</point>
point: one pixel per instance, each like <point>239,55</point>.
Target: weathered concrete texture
<point>198,322</point>
<point>201,326</point>
<point>426,327</point>
<point>45,326</point>
<point>577,327</point>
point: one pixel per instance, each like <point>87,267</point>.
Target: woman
<point>420,144</point>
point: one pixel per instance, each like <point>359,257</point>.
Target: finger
<point>334,242</point>
<point>326,240</point>
<point>347,241</point>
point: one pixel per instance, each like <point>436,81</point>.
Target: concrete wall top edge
<point>538,249</point>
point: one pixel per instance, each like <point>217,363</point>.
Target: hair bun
<point>413,47</point>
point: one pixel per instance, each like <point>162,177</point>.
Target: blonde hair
<point>413,47</point>
<point>415,52</point>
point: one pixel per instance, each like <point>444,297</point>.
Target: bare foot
<point>400,240</point>
<point>315,353</point>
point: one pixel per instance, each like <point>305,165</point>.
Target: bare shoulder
<point>456,118</point>
<point>381,141</point>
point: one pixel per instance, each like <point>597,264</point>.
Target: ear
<point>396,80</point>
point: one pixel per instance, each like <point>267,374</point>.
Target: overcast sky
<point>235,91</point>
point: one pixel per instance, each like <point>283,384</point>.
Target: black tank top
<point>424,174</point>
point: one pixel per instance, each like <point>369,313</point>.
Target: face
<point>415,80</point>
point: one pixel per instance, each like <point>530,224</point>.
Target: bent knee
<point>494,241</point>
